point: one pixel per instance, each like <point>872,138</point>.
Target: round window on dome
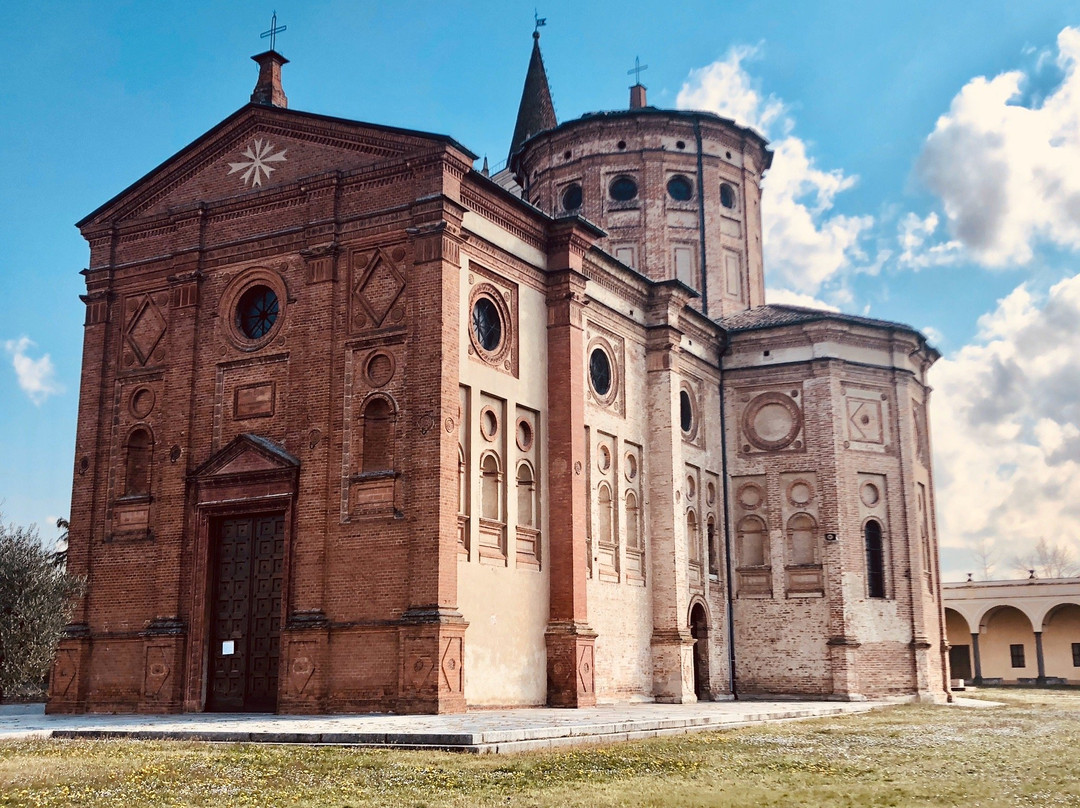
<point>572,198</point>
<point>600,372</point>
<point>680,188</point>
<point>686,412</point>
<point>727,196</point>
<point>623,189</point>
<point>257,311</point>
<point>486,324</point>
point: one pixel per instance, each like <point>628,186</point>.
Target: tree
<point>986,558</point>
<point>35,604</point>
<point>1049,560</point>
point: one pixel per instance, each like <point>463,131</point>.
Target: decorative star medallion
<point>256,167</point>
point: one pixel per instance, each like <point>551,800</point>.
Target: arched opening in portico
<point>961,652</point>
<point>1007,646</point>
<point>1061,643</point>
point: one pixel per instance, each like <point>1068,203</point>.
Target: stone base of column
<point>673,667</point>
<point>571,668</point>
<point>302,677</point>
<point>431,661</point>
<point>843,652</point>
<point>164,643</point>
<point>67,686</point>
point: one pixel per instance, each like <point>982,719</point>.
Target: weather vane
<point>275,29</point>
<point>636,70</point>
<point>540,21</point>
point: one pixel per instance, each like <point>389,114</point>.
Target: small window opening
<point>875,560</point>
<point>1016,654</point>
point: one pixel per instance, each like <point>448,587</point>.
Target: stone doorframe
<point>250,475</point>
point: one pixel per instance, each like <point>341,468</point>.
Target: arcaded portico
<point>1014,632</point>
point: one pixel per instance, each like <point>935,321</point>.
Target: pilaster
<point>672,642</point>
<point>569,639</point>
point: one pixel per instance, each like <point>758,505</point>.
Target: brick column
<point>68,680</point>
<point>672,642</point>
<point>165,636</point>
<point>432,630</point>
<point>303,668</point>
<point>570,640</point>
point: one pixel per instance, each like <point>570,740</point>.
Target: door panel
<point>246,621</point>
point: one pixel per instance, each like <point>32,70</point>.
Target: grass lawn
<point>1025,753</point>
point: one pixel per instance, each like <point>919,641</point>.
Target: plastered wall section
<point>504,599</point>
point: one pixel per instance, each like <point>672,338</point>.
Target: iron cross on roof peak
<point>636,70</point>
<point>275,29</point>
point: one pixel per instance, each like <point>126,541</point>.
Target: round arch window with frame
<point>491,330</point>
<point>688,412</point>
<point>254,307</point>
<point>603,372</point>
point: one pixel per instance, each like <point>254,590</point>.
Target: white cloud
<point>790,298</point>
<point>1005,410</point>
<point>806,245</point>
<point>1008,174</point>
<point>37,377</point>
<point>915,252</point>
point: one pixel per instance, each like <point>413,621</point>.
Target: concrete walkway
<point>477,731</point>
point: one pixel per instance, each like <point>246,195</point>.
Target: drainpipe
<point>701,219</point>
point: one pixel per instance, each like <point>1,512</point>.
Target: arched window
<point>714,551</point>
<point>633,522</point>
<point>875,560</point>
<point>490,488</point>
<point>140,448</point>
<point>378,436</point>
<point>802,540</point>
<point>752,547</point>
<point>463,486</point>
<point>526,496</point>
<point>693,545</point>
<point>606,520</point>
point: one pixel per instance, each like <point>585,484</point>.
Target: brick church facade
<point>362,428</point>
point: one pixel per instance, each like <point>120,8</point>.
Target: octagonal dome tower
<point>677,192</point>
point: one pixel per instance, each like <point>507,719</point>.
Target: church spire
<point>536,112</point>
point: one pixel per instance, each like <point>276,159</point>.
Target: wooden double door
<point>245,637</point>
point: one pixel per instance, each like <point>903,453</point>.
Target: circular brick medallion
<point>771,421</point>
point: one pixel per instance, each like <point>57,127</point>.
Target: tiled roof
<point>773,315</point>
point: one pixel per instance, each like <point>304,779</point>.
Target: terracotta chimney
<point>637,96</point>
<point>268,88</point>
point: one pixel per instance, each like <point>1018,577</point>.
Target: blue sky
<point>928,157</point>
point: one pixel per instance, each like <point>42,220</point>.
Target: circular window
<point>257,311</point>
<point>686,412</point>
<point>710,494</point>
<point>631,465</point>
<point>142,402</point>
<point>691,487</point>
<point>680,188</point>
<point>623,189</point>
<point>727,196</point>
<point>524,435</point>
<point>486,324</point>
<point>600,372</point>
<point>603,458</point>
<point>489,424</point>
<point>571,198</point>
